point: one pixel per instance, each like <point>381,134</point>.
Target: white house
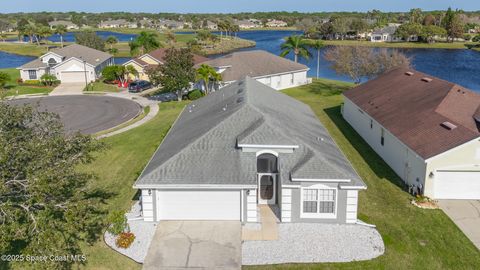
<point>73,63</point>
<point>245,24</point>
<point>117,24</point>
<point>68,24</point>
<point>244,146</point>
<point>269,69</point>
<point>276,23</point>
<point>426,129</point>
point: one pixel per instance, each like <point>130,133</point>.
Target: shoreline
<point>399,45</point>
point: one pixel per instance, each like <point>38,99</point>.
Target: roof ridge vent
<point>427,79</point>
<point>448,125</point>
<point>409,73</point>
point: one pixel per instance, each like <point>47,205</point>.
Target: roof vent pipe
<point>409,73</point>
<point>426,79</point>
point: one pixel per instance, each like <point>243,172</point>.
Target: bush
<point>31,82</point>
<point>125,239</point>
<point>19,81</point>
<point>4,78</point>
<point>117,222</point>
<point>476,38</point>
<point>195,94</point>
<point>110,73</point>
<point>49,80</point>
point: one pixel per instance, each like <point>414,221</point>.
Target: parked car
<point>165,97</point>
<point>139,86</point>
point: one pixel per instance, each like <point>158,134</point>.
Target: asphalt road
<point>86,114</point>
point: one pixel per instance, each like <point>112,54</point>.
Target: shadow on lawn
<point>374,161</point>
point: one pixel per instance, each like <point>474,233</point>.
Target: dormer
<point>51,59</point>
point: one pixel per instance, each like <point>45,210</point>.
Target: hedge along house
<point>243,146</point>
<point>71,64</point>
<point>426,129</point>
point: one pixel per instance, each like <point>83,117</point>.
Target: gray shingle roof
<point>92,56</point>
<point>201,148</point>
<point>254,64</point>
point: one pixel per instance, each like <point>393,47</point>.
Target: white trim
<point>133,60</point>
<point>241,205</point>
<point>290,186</point>
<point>47,53</point>
<point>79,60</point>
<point>281,73</point>
<point>319,215</point>
<point>451,149</point>
<point>193,186</point>
<point>151,57</point>
<point>354,187</point>
<point>268,146</point>
<point>320,180</point>
<point>261,152</point>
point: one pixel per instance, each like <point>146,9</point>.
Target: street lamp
<point>85,72</point>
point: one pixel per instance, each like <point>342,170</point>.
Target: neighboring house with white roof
<point>276,23</point>
<point>211,25</point>
<point>388,34</point>
<point>68,24</point>
<point>121,23</point>
<point>245,24</point>
<point>242,147</point>
<point>73,63</point>
<point>272,70</point>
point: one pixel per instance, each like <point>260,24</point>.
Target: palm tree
<point>61,30</point>
<point>297,45</point>
<point>145,42</point>
<point>317,45</point>
<point>30,31</point>
<point>130,70</point>
<point>207,73</point>
<point>3,36</point>
<point>111,40</point>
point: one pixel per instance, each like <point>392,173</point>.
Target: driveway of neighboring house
<point>195,245</point>
<point>466,214</point>
<point>86,114</point>
<point>68,89</point>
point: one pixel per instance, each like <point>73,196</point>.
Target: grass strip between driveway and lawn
<point>414,238</point>
<point>144,113</point>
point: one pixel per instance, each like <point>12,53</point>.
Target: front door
<point>266,189</point>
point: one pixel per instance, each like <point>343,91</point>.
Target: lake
<point>70,36</point>
<point>458,66</point>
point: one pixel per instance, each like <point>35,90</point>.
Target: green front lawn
<point>100,86</point>
<point>13,88</point>
<point>414,238</point>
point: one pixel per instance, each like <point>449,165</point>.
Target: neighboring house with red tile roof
<point>426,129</point>
<point>153,59</point>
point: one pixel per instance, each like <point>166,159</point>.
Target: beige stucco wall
<point>465,158</point>
<point>149,60</point>
<point>74,65</point>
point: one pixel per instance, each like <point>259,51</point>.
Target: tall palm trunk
<point>296,57</point>
<point>61,40</point>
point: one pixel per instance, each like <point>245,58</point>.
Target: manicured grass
<point>414,238</point>
<point>23,48</point>
<point>14,89</point>
<point>102,87</point>
<point>226,45</point>
<point>117,169</point>
<point>412,45</point>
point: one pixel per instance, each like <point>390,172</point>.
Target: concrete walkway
<point>151,114</point>
<point>195,245</point>
<point>466,214</point>
<point>268,231</point>
<point>68,89</point>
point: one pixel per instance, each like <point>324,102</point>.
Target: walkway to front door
<point>269,230</point>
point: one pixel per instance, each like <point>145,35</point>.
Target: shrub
<point>19,81</point>
<point>125,239</point>
<point>195,94</point>
<point>476,38</point>
<point>49,80</point>
<point>31,82</point>
<point>4,78</point>
<point>117,222</point>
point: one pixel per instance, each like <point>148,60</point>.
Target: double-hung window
<point>32,74</point>
<point>318,203</point>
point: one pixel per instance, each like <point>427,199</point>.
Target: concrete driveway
<point>466,214</point>
<point>68,89</point>
<point>195,245</point>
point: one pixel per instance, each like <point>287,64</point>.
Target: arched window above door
<point>267,163</point>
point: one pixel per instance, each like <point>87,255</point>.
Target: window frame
<point>34,72</point>
<point>319,215</point>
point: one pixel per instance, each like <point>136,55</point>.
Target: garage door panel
<point>72,76</point>
<point>457,185</point>
<point>198,205</point>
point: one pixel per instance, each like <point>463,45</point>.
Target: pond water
<point>70,36</point>
<point>459,66</point>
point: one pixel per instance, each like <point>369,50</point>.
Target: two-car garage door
<point>198,205</point>
<point>72,76</point>
<point>457,185</point>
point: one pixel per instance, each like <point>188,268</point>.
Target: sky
<point>231,6</point>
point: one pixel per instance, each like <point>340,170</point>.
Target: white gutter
<point>268,146</point>
<point>320,180</point>
<point>193,186</point>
